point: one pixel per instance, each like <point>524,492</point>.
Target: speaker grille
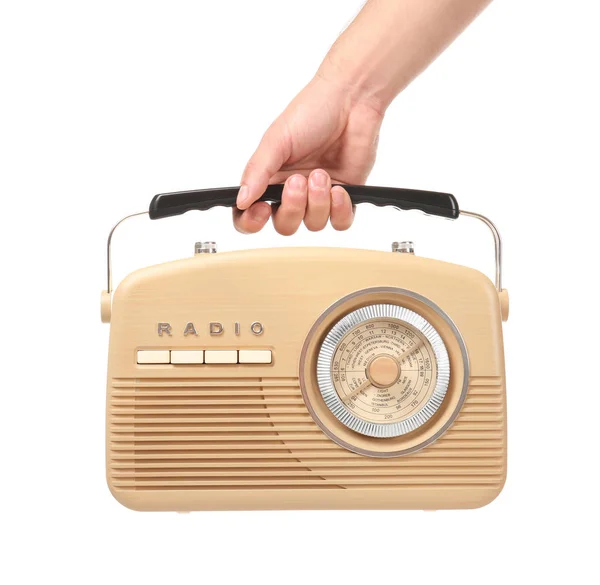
<point>256,434</point>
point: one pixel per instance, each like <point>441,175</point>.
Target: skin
<point>328,134</point>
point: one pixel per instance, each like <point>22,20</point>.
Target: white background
<point>105,104</point>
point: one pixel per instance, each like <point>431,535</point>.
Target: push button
<point>153,356</point>
<point>187,356</point>
<point>221,356</point>
<point>255,356</point>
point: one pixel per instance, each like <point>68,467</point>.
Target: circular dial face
<point>383,370</point>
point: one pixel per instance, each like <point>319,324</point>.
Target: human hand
<point>329,131</point>
<point>325,135</point>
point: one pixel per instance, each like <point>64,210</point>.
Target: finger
<point>319,200</point>
<point>264,163</point>
<point>288,217</point>
<point>253,219</point>
<point>342,212</point>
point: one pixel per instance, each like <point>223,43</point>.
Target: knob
<point>404,247</point>
<point>205,248</point>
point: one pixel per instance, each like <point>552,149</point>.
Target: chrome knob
<point>403,247</point>
<point>205,248</point>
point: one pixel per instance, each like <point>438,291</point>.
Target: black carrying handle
<point>430,202</point>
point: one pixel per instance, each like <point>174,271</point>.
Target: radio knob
<point>403,247</point>
<point>205,248</point>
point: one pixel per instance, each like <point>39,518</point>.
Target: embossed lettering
<point>164,328</point>
<point>257,328</point>
<point>190,329</point>
<point>216,328</point>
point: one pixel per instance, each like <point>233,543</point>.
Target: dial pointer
<point>362,387</point>
<point>408,351</point>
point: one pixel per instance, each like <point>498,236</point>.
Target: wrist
<point>358,82</point>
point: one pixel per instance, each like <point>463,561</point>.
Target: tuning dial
<point>383,370</point>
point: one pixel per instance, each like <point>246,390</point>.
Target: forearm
<point>391,41</point>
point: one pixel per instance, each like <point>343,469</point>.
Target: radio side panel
<point>239,436</point>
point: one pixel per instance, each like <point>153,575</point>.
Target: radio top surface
<point>306,378</point>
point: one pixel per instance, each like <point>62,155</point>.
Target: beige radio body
<point>240,436</point>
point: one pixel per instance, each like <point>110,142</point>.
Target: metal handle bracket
<point>482,218</point>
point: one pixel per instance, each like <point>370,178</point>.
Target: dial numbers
<point>384,370</point>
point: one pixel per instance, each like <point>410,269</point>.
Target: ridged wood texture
<point>258,434</point>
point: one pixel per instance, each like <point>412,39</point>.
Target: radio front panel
<point>306,378</point>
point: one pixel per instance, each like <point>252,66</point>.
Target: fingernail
<point>297,183</point>
<point>318,180</point>
<point>243,195</point>
<point>337,196</point>
<point>260,213</point>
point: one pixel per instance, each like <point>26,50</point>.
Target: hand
<point>325,135</point>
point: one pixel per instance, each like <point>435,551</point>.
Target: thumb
<point>264,163</point>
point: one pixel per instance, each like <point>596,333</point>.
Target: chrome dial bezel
<point>325,377</point>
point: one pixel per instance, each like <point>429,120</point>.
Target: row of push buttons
<point>207,356</point>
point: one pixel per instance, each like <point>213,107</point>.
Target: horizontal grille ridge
<point>253,433</point>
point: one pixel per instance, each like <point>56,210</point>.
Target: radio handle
<point>429,202</point>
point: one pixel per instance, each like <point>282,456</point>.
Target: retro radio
<point>306,378</point>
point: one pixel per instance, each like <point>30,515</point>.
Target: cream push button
<point>255,356</point>
<point>221,356</point>
<point>187,356</point>
<point>153,356</point>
